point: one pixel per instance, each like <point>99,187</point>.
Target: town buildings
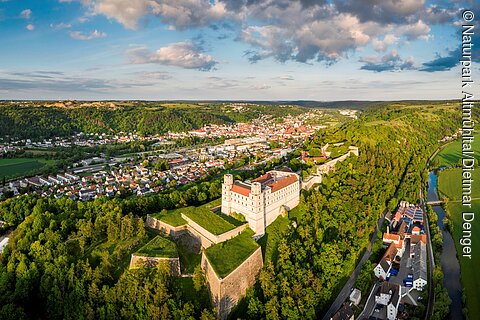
<point>389,295</point>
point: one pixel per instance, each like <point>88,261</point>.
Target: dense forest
<point>47,120</point>
<point>64,260</point>
<point>319,251</point>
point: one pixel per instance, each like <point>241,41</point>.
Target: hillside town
<point>265,127</point>
<point>401,273</point>
<point>260,141</point>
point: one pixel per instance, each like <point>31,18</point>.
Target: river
<point>448,257</point>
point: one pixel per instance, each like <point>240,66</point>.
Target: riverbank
<point>448,256</point>
<point>450,188</point>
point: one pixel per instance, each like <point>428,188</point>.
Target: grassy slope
<point>449,185</point>
<point>173,217</point>
<point>159,247</point>
<point>17,167</point>
<point>207,219</point>
<point>273,234</point>
<point>228,255</point>
<point>188,259</point>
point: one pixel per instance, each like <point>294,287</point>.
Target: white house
<point>383,267</point>
<point>355,296</point>
<point>419,265</point>
<point>388,294</point>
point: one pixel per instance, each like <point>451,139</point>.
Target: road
<point>347,288</point>
<point>370,303</point>
<point>431,260</point>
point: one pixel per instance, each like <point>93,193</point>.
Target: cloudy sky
<point>231,49</point>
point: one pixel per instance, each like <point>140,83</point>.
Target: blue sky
<point>230,49</point>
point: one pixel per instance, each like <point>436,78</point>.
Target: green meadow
<point>450,186</point>
<point>451,154</point>
<point>18,167</point>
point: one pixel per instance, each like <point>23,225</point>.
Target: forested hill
<point>69,260</point>
<point>334,223</point>
<point>47,119</point>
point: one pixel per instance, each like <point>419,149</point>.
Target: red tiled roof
<point>398,216</point>
<point>390,253</point>
<point>241,190</point>
<point>263,178</point>
<point>415,238</point>
<point>400,244</point>
<point>283,183</point>
<point>391,236</point>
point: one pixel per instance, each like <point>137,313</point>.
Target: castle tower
<point>228,179</point>
<point>257,209</point>
<point>227,193</point>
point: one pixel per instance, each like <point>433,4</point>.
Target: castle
<point>263,199</point>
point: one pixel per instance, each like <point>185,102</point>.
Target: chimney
<point>388,229</point>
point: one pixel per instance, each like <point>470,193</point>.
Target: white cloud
<point>388,62</point>
<point>30,27</point>
<point>261,87</point>
<point>77,35</point>
<point>419,30</point>
<point>60,26</point>
<point>26,14</point>
<point>382,45</point>
<point>158,75</point>
<point>181,54</point>
<point>181,14</point>
<point>286,77</point>
<point>301,30</point>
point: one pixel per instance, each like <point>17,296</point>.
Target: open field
<point>18,167</point>
<point>451,154</point>
<point>450,186</point>
<point>159,247</point>
<point>228,255</point>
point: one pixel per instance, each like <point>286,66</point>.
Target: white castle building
<point>263,199</point>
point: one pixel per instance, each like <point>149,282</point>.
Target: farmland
<point>18,167</point>
<point>451,154</point>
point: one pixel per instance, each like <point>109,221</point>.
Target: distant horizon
<point>319,50</point>
<point>226,100</point>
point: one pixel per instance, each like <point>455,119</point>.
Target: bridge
<point>435,203</point>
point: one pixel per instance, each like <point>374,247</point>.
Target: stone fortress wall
<point>226,292</point>
<point>152,262</point>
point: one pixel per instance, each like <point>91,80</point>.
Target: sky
<point>321,50</point>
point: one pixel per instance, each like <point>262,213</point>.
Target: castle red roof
<point>280,184</point>
<point>263,179</point>
<point>241,190</point>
